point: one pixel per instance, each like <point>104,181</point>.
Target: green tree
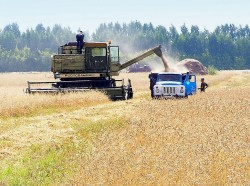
<point>227,47</point>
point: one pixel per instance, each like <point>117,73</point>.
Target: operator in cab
<point>80,42</point>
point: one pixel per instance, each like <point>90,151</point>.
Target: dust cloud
<point>169,65</point>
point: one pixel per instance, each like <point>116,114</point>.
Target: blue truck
<point>172,84</point>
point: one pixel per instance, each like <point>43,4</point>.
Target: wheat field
<point>86,139</point>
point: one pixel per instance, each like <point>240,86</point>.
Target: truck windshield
<point>169,77</point>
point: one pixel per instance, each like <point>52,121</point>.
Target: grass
<point>49,163</point>
<point>202,140</point>
<point>212,70</point>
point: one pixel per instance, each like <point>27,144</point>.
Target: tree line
<point>227,47</point>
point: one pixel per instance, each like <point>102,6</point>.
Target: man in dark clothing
<point>203,85</point>
<point>79,39</point>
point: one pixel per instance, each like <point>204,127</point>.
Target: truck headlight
<point>181,90</point>
<point>157,90</point>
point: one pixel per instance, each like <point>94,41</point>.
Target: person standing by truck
<point>204,85</point>
<point>79,39</point>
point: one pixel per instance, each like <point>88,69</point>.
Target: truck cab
<point>172,84</point>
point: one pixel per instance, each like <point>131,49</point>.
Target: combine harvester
<point>93,69</point>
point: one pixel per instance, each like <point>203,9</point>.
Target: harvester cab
<point>93,68</point>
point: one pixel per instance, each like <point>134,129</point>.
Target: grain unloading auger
<point>93,69</point>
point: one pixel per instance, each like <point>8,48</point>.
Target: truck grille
<point>169,90</point>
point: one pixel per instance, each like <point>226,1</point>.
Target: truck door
<point>190,84</point>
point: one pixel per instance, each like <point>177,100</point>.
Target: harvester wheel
<point>128,93</point>
<point>113,84</point>
<point>126,96</point>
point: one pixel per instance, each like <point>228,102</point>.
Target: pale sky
<point>89,14</point>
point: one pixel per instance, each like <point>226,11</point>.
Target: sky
<point>87,15</point>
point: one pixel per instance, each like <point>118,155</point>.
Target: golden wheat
<point>202,140</point>
<point>15,102</point>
